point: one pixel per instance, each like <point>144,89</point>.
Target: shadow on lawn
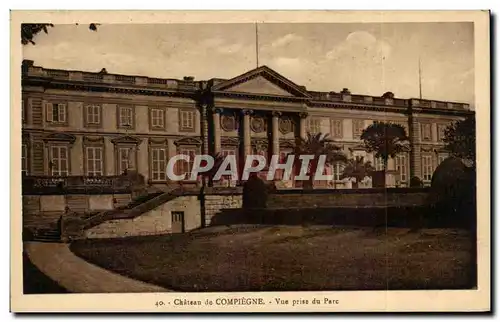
<point>288,259</point>
<point>35,282</point>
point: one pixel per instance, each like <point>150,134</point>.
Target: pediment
<point>357,147</point>
<point>230,141</point>
<point>60,137</point>
<point>188,141</point>
<point>262,81</point>
<point>287,144</point>
<point>126,140</point>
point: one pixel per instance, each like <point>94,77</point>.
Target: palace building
<point>78,123</point>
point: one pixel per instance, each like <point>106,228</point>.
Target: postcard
<point>250,161</point>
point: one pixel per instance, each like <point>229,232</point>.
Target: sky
<point>366,58</point>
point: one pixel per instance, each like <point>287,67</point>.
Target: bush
<point>416,182</point>
<point>255,193</point>
<point>453,193</point>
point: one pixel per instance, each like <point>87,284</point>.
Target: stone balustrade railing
<point>172,84</point>
<point>69,184</point>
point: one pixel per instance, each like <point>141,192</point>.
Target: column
<point>204,128</point>
<point>275,133</point>
<point>302,125</point>
<point>216,119</point>
<point>247,147</point>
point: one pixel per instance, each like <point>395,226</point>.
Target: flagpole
<point>419,77</point>
<point>257,44</point>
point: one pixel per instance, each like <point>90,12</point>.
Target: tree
<point>460,139</point>
<point>385,139</point>
<point>358,169</point>
<point>30,30</point>
<point>317,144</point>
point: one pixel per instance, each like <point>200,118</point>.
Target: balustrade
<point>78,182</point>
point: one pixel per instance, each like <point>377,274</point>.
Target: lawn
<point>289,258</point>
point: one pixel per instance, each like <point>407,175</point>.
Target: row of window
<point>59,161</point>
<point>57,113</point>
<point>336,131</point>
<point>94,162</point>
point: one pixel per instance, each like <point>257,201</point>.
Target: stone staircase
<point>44,226</point>
<point>74,227</point>
<point>135,208</point>
<point>47,235</point>
<point>77,203</point>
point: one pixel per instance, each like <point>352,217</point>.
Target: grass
<point>290,259</point>
<point>35,282</point>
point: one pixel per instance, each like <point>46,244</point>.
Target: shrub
<point>416,182</point>
<point>453,191</point>
<point>255,192</point>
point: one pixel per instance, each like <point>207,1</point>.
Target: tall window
<point>185,166</point>
<point>338,169</point>
<point>314,125</point>
<point>56,112</point>
<point>125,159</point>
<point>224,153</point>
<point>337,128</point>
<point>59,164</point>
<point>441,129</point>
<point>94,156</point>
<point>125,116</point>
<point>159,164</point>
<point>158,118</point>
<point>426,132</point>
<point>24,159</point>
<point>402,167</point>
<point>378,164</point>
<point>427,167</point>
<point>227,151</point>
<point>357,128</point>
<point>186,120</point>
<point>93,114</point>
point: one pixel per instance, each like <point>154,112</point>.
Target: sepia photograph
<point>271,165</point>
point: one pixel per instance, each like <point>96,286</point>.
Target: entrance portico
<point>261,110</point>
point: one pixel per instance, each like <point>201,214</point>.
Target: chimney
<point>188,78</point>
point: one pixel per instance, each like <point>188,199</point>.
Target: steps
<point>134,209</point>
<point>50,235</point>
<point>41,220</point>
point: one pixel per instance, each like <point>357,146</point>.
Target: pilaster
<point>275,133</point>
<point>247,147</point>
<point>302,125</point>
<point>217,137</point>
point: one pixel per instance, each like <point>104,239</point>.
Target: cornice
<point>126,139</point>
<point>109,88</point>
<point>230,141</point>
<point>60,137</point>
<point>260,97</point>
<point>188,141</point>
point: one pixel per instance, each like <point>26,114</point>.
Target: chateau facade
<point>92,124</point>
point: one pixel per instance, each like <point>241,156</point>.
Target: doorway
<point>177,222</point>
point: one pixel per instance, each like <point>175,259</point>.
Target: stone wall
<point>34,204</point>
<point>215,203</point>
<point>348,198</point>
<point>155,222</point>
<point>40,211</point>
